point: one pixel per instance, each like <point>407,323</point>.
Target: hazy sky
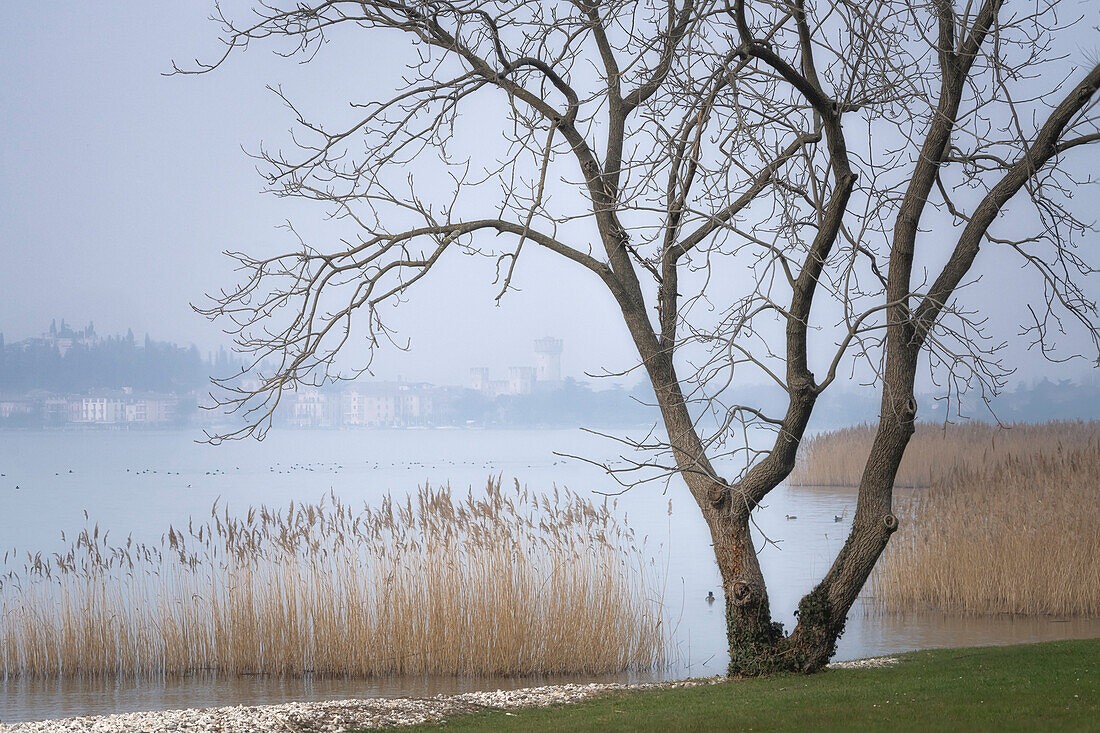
<point>120,187</point>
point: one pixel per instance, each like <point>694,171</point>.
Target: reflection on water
<point>141,482</point>
<point>906,632</point>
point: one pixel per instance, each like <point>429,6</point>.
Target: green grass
<point>1049,687</point>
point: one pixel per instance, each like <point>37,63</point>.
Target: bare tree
<point>716,167</point>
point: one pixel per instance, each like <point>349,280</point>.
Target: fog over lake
<point>141,482</point>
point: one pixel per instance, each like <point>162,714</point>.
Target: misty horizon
<point>123,186</point>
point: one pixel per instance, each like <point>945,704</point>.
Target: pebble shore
<point>335,716</point>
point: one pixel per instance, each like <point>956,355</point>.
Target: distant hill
<point>1038,402</point>
<point>65,360</point>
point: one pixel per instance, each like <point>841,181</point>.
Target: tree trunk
<point>758,646</point>
<point>823,611</point>
<point>755,641</point>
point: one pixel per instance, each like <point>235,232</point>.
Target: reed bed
<point>1008,520</point>
<point>837,458</point>
<point>1016,535</point>
<point>509,583</point>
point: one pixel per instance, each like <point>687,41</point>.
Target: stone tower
<point>479,379</point>
<point>548,359</point>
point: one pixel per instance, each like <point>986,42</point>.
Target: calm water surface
<point>141,482</point>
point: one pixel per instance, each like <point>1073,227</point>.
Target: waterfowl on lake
<point>838,518</point>
<point>710,596</point>
<point>791,516</point>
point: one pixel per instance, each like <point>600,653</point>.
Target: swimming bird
<point>710,596</point>
<point>838,518</point>
<point>791,516</point>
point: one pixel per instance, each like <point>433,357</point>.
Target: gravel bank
<point>865,663</point>
<point>339,715</point>
<point>334,715</point>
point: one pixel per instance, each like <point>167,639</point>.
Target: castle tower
<point>479,379</point>
<point>521,379</point>
<point>548,359</point>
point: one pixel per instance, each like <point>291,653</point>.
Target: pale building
<point>521,380</point>
<point>479,379</point>
<point>548,359</point>
<point>150,410</point>
<point>59,410</point>
<point>159,409</point>
<point>351,408</point>
<point>135,412</point>
<point>102,410</point>
<point>380,409</point>
<point>368,408</point>
<point>11,408</point>
<point>496,388</point>
<point>415,406</point>
<point>314,409</point>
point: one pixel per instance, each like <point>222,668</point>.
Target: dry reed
<point>1008,524</point>
<point>1016,535</point>
<point>509,583</point>
<point>837,458</point>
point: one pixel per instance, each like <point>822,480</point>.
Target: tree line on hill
<point>68,365</point>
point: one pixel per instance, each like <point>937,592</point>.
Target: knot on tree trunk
<point>890,522</point>
<point>741,594</point>
<point>718,493</point>
<point>804,388</point>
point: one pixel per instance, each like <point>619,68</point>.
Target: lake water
<point>141,482</point>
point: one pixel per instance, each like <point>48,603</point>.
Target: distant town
<point>73,377</point>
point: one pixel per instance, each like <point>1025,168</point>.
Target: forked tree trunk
<point>757,644</point>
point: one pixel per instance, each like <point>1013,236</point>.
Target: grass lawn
<point>1053,686</point>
